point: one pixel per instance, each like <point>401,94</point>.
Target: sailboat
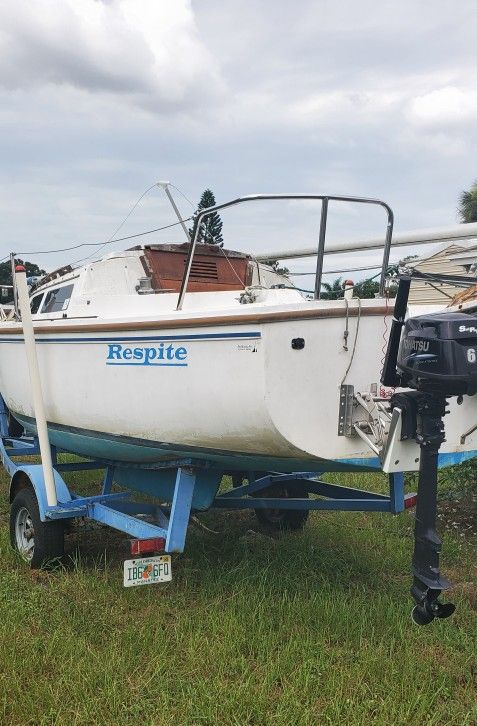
<point>163,351</point>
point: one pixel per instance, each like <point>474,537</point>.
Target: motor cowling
<point>438,354</point>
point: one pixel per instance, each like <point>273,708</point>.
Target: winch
<point>435,356</point>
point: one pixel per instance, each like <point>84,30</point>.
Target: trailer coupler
<point>428,411</point>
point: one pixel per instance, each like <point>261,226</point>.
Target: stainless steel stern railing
<point>325,199</point>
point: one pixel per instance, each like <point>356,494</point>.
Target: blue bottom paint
<point>103,446</point>
<point>445,459</point>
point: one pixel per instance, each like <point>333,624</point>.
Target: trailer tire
<point>237,478</point>
<point>15,429</point>
<point>283,518</point>
<point>25,525</point>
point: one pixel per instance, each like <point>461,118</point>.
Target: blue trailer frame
<point>170,522</point>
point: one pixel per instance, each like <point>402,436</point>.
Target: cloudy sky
<point>101,98</point>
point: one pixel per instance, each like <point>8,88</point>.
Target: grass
<point>297,629</point>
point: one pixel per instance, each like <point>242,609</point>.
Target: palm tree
<point>332,292</point>
<point>467,209</point>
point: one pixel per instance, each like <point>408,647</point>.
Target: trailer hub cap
<point>24,533</point>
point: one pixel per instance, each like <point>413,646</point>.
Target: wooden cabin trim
<point>212,269</point>
<point>215,320</point>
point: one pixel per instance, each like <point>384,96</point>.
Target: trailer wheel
<point>15,429</point>
<point>37,542</point>
<point>237,478</point>
<point>283,518</point>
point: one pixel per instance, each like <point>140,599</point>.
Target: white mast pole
<point>165,186</point>
<point>402,239</point>
<point>35,381</point>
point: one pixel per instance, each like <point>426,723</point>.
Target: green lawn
<point>307,628</point>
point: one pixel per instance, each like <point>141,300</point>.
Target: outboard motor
<point>436,356</point>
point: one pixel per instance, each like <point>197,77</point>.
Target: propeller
<point>427,610</point>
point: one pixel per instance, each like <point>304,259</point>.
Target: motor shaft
<point>428,582</point>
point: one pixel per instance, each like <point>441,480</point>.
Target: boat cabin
<point>153,271</point>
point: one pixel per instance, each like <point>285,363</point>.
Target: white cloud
<point>368,106</point>
<point>99,98</point>
<point>448,106</point>
<point>150,51</point>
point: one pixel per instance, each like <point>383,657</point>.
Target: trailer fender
<point>31,475</point>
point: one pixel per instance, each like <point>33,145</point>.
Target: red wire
<point>385,338</point>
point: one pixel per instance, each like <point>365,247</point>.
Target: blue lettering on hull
<point>160,355</point>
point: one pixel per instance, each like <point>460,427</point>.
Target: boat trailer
<point>279,500</point>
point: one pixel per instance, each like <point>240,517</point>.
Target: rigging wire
<point>338,293</point>
<point>98,244</point>
<point>231,266</point>
<point>335,272</point>
<point>439,289</point>
<point>83,259</point>
<point>182,194</point>
<point>113,239</point>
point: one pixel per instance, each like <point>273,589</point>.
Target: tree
<point>467,209</point>
<point>32,270</point>
<point>370,288</point>
<point>363,289</point>
<point>332,291</point>
<point>366,289</point>
<point>210,231</point>
<point>276,267</point>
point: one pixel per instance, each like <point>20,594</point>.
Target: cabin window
<point>35,303</point>
<point>57,300</point>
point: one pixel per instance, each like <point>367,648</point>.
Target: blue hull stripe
<point>137,338</point>
<point>147,365</point>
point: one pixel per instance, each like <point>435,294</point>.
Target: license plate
<point>147,570</point>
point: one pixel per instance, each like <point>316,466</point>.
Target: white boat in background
<point>165,351</point>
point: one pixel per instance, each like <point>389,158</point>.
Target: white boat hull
<point>236,392</point>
